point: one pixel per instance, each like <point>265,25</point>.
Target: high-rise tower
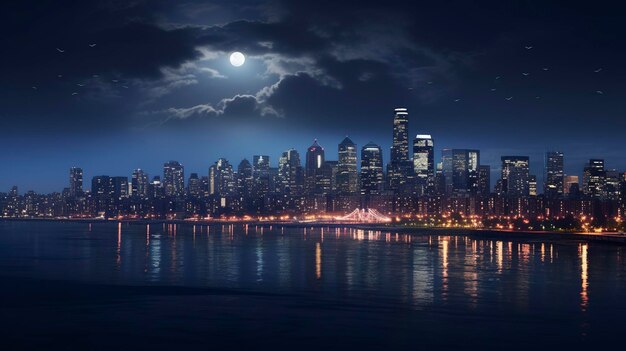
<point>554,174</point>
<point>314,165</point>
<point>424,163</point>
<point>371,169</point>
<point>515,176</point>
<point>400,170</point>
<point>76,181</point>
<point>174,178</point>
<point>347,177</point>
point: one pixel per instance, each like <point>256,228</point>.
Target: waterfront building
<point>194,187</point>
<point>460,171</point>
<point>554,174</point>
<point>313,166</point>
<point>515,176</point>
<point>594,179</point>
<point>371,169</point>
<point>173,179</point>
<point>221,178</point>
<point>347,176</point>
<point>484,180</point>
<point>139,184</point>
<point>400,169</point>
<point>424,163</point>
<point>76,182</point>
<point>290,173</point>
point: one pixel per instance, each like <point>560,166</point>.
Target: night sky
<point>115,85</point>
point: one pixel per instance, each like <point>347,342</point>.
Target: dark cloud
<point>309,63</point>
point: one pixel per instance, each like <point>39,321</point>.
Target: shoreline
<point>607,237</point>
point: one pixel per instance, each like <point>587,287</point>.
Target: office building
<point>594,179</point>
<point>554,174</point>
<point>515,176</point>
<point>347,177</point>
<point>371,169</point>
<point>460,171</point>
<point>76,181</point>
<point>424,163</point>
<point>173,179</point>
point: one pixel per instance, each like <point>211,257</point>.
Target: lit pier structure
<point>369,215</point>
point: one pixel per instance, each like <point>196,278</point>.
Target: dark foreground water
<point>129,286</point>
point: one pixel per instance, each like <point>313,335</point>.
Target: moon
<point>237,59</point>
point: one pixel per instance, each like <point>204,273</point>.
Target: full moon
<point>237,59</point>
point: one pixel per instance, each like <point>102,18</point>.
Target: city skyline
<point>458,187</point>
<point>135,85</point>
<point>537,164</point>
<point>279,174</point>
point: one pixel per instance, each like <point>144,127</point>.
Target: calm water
<point>104,285</point>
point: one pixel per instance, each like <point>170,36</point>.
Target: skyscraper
<point>460,171</point>
<point>194,187</point>
<point>331,168</point>
<point>222,178</point>
<point>261,174</point>
<point>371,169</point>
<point>245,180</point>
<point>594,179</point>
<point>119,187</point>
<point>290,172</point>
<point>515,176</point>
<point>424,163</point>
<point>400,170</point>
<point>314,164</point>
<point>156,188</point>
<point>347,176</point>
<point>612,184</point>
<point>484,179</point>
<point>139,183</point>
<point>173,179</point>
<point>554,174</point>
<point>102,192</point>
<point>76,181</point>
<point>400,142</point>
<point>101,186</point>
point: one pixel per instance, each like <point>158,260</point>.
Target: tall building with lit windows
<point>400,169</point>
<point>76,181</point>
<point>290,173</point>
<point>484,179</point>
<point>371,169</point>
<point>347,176</point>
<point>313,166</point>
<point>594,179</point>
<point>245,178</point>
<point>554,174</point>
<point>139,184</point>
<point>120,187</point>
<point>532,185</point>
<point>400,142</point>
<point>173,179</point>
<point>222,178</point>
<point>612,184</point>
<point>515,176</point>
<point>194,186</point>
<point>424,163</point>
<point>261,175</point>
<point>460,169</point>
